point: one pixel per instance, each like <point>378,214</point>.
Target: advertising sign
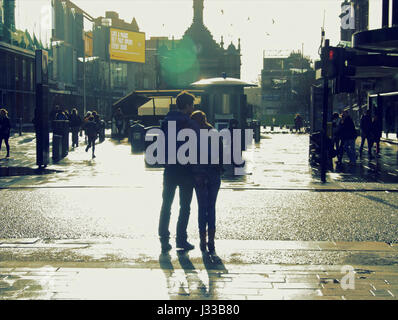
<point>127,46</point>
<point>88,44</point>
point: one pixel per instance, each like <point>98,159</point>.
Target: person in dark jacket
<point>366,124</point>
<point>91,131</point>
<point>207,184</point>
<point>298,122</point>
<point>75,123</point>
<point>119,120</point>
<point>348,135</point>
<point>177,175</point>
<point>376,130</point>
<point>5,128</point>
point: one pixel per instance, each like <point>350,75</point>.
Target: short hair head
<point>184,99</point>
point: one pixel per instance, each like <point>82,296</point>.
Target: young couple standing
<point>205,179</point>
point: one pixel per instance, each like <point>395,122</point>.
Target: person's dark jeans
<point>206,189</point>
<point>91,143</point>
<point>173,178</point>
<point>75,136</point>
<point>5,137</point>
<point>367,137</point>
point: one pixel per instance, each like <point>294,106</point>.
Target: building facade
<point>196,56</point>
<point>285,88</point>
<point>17,64</point>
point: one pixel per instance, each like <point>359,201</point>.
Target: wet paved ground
<point>280,232</point>
<point>119,269</point>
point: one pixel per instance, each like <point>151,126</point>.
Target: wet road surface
<point>116,196</point>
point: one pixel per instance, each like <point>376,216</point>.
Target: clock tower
<point>198,11</point>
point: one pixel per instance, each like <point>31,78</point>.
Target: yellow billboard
<point>88,44</point>
<point>127,45</point>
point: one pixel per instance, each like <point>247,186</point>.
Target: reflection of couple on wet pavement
<point>204,178</point>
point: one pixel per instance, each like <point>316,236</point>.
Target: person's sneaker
<point>94,156</point>
<point>166,247</point>
<point>185,246</point>
<point>87,148</point>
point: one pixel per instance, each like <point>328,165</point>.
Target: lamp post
<point>84,59</point>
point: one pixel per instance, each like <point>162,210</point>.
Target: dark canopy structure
<point>130,103</point>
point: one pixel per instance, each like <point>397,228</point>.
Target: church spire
<point>198,11</point>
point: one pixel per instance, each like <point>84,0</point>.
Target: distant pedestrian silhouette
<point>75,123</point>
<point>5,128</point>
<point>91,131</point>
<point>298,122</point>
<point>119,120</point>
<point>348,135</point>
<point>375,132</point>
<point>366,127</point>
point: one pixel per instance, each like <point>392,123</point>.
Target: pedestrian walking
<point>365,126</point>
<point>298,122</point>
<point>60,115</point>
<point>75,123</point>
<point>53,113</point>
<point>91,132</point>
<point>5,128</point>
<point>177,175</point>
<point>348,135</point>
<point>119,119</point>
<point>85,121</point>
<point>376,130</point>
<point>207,178</point>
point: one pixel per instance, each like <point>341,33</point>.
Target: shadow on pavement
<point>196,288</point>
<point>24,171</point>
<point>373,198</point>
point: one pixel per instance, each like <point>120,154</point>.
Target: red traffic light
<point>331,54</point>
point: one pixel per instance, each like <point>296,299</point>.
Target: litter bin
<point>137,138</point>
<point>61,128</point>
<point>101,131</point>
<point>57,147</point>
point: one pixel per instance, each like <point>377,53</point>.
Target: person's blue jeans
<point>173,178</point>
<point>206,189</point>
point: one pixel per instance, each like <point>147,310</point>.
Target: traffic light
<point>343,82</point>
<point>337,66</point>
<point>330,58</point>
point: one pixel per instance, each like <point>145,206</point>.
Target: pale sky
<point>260,24</point>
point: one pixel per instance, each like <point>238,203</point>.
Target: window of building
<point>24,71</point>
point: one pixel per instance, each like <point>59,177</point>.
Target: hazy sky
<point>260,24</point>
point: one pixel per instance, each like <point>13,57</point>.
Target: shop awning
<point>130,103</point>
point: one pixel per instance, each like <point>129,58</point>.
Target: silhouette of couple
<point>205,179</point>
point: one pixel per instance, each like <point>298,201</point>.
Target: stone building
<point>196,56</point>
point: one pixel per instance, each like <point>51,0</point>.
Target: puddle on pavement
<point>24,171</point>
